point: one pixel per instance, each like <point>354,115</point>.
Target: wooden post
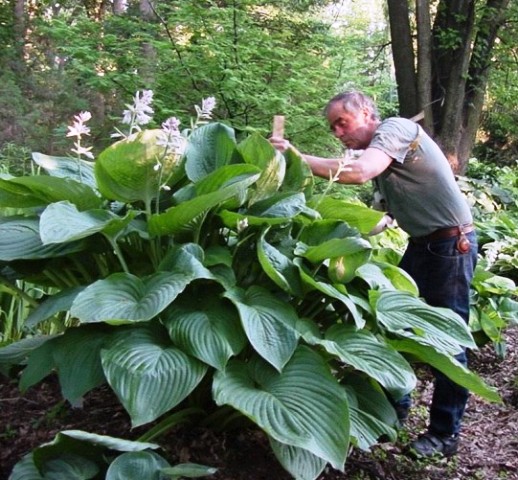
<point>278,126</point>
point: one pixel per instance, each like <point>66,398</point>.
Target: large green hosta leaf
<point>383,275</point>
<point>362,350</point>
<point>178,218</point>
<point>150,377</point>
<point>279,267</point>
<point>125,298</point>
<point>338,292</point>
<point>298,176</point>
<point>259,151</point>
<point>303,465</point>
<point>136,466</point>
<point>336,247</point>
<point>280,208</point>
<point>126,171</point>
<point>33,191</point>
<point>20,240</point>
<point>303,406</point>
<point>358,216</point>
<point>59,302</point>
<point>65,167</point>
<point>269,324</point>
<point>75,355</point>
<point>401,312</point>
<point>62,222</point>
<point>74,453</point>
<point>206,328</point>
<point>449,366</point>
<point>210,147</point>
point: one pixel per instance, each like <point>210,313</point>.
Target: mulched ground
<point>489,450</point>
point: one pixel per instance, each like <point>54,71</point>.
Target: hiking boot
<point>429,444</point>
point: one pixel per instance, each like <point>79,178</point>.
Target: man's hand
<point>386,222</point>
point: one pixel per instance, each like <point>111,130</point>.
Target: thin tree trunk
<point>424,64</point>
<point>492,19</point>
<point>403,54</point>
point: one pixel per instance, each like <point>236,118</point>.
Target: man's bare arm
<point>368,165</point>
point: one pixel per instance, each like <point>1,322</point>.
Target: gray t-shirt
<point>418,186</point>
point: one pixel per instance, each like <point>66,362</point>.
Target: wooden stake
<point>278,126</point>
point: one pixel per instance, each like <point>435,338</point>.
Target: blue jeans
<point>443,276</point>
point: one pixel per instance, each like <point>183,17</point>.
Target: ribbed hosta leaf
<point>176,218</point>
<point>39,190</point>
<point>367,429</point>
<point>382,275</point>
<point>125,171</point>
<point>17,352</point>
<point>125,298</point>
<point>333,292</point>
<point>25,469</point>
<point>398,311</point>
<point>210,147</point>
<point>362,350</point>
<point>279,267</point>
<point>269,324</point>
<point>303,406</point>
<point>371,413</point>
<point>337,247</point>
<point>358,216</point>
<point>80,170</point>
<point>20,240</point>
<point>63,222</point>
<point>71,467</point>
<point>303,465</point>
<point>449,366</point>
<point>298,176</point>
<point>136,466</point>
<point>77,357</point>
<point>149,378</point>
<point>208,330</point>
<point>259,151</point>
<point>59,302</point>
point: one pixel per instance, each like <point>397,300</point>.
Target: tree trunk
<point>492,19</point>
<point>149,56</point>
<point>459,67</point>
<point>403,54</point>
<point>424,64</point>
<point>19,30</point>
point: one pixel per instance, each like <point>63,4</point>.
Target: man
<point>418,185</point>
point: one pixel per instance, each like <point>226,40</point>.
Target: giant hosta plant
<point>215,275</point>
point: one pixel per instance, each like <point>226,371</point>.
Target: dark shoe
<point>428,444</point>
<point>402,415</point>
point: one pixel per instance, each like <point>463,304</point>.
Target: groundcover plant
<point>184,265</point>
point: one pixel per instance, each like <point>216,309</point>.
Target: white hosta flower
<point>78,128</point>
<point>83,151</point>
<point>207,106</point>
<point>140,113</point>
<point>171,138</point>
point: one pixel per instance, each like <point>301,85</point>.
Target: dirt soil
<point>489,448</point>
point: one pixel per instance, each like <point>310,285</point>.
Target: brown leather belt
<point>444,233</point>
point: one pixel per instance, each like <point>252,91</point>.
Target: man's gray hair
<point>353,101</point>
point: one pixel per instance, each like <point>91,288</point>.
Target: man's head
<point>353,119</point>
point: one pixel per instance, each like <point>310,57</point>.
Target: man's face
<point>353,129</point>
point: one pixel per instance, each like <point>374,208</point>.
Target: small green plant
<point>74,452</point>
